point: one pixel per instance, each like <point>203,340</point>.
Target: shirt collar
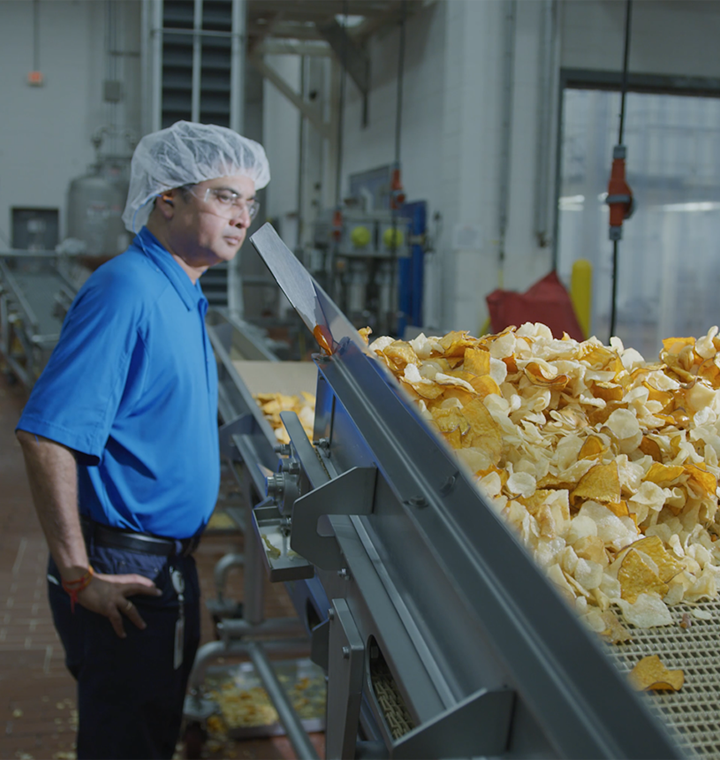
<point>190,294</point>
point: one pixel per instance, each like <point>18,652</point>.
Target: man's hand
<point>107,595</point>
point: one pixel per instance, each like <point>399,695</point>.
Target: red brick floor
<point>37,695</point>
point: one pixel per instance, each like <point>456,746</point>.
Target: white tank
<point>94,207</point>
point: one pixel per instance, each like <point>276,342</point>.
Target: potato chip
<point>598,356</point>
<point>592,448</point>
<point>455,343</point>
<point>649,674</point>
<point>663,397</point>
<point>607,391</point>
<point>651,448</point>
<point>615,631</point>
<point>600,483</point>
<point>710,372</point>
<point>592,548</point>
<point>271,550</point>
<point>600,416</point>
<point>274,403</point>
<point>535,501</point>
<point>460,394</point>
<point>647,567</point>
<point>442,379</point>
<point>502,474</point>
<point>448,420</point>
<point>638,574</point>
<point>705,480</point>
<point>555,481</point>
<point>675,345</point>
<point>400,354</point>
<point>486,432</point>
<point>618,508</point>
<point>624,424</point>
<point>648,611</point>
<point>365,334</point>
<point>664,475</point>
<point>477,361</point>
<point>702,614</point>
<point>484,386</point>
<point>511,364</point>
<point>423,386</point>
<point>454,438</point>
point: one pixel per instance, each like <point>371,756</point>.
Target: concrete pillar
<point>475,155</point>
<point>470,143</point>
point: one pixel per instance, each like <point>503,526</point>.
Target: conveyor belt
<point>34,294</point>
<point>693,713</point>
<point>415,563</point>
<point>39,289</point>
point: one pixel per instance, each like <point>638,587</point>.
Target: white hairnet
<point>184,154</point>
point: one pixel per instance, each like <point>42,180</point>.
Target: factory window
<point>669,258</point>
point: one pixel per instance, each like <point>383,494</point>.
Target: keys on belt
<point>178,583</point>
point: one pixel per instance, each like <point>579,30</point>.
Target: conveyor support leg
<point>345,679</point>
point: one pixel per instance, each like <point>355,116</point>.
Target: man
<point>121,443</point>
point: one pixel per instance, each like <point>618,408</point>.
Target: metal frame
<point>20,326</point>
<point>248,442</point>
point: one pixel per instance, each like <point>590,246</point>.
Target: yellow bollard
<point>581,293</point>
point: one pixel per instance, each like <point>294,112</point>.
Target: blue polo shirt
<point>131,387</point>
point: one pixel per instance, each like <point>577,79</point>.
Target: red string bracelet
<point>73,588</point>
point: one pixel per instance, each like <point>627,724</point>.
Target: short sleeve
<point>76,398</point>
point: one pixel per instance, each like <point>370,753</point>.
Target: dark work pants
<point>130,697</point>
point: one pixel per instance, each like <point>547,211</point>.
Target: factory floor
<point>37,695</point>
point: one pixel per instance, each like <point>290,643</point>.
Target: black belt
<point>144,543</point>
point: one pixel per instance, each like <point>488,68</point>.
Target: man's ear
<point>165,203</point>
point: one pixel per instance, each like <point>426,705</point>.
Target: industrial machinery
<point>439,635</point>
<point>96,201</point>
<point>357,254</point>
<point>36,290</point>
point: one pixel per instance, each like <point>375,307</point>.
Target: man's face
<point>210,222</point>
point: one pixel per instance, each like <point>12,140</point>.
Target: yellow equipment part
<point>581,293</point>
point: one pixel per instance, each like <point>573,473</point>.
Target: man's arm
<point>52,473</point>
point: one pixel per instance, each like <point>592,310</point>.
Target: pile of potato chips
<point>242,708</point>
<point>243,705</point>
<point>606,465</point>
<point>274,403</point>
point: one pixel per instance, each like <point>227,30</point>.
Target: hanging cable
<point>331,261</point>
<point>301,161</point>
<point>626,58</point>
<point>397,194</point>
<point>341,108</point>
<point>619,197</point>
<point>400,79</point>
<point>337,222</point>
<point>397,197</point>
<point>36,35</point>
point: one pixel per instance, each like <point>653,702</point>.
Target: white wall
<point>373,146</point>
<point>46,130</point>
<point>281,141</point>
